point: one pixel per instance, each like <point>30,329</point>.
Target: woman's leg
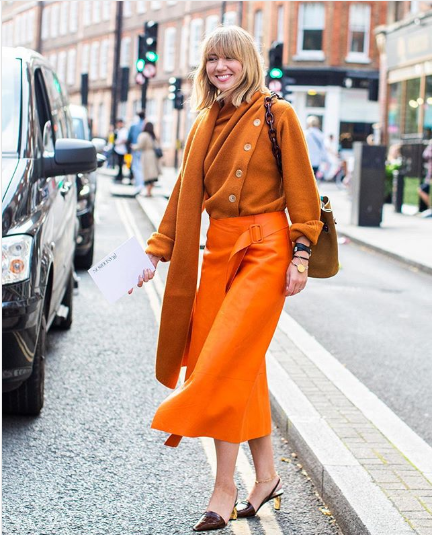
<point>262,454</point>
<point>224,493</point>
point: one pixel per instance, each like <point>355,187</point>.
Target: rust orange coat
<point>177,239</point>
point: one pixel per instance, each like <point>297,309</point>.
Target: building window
<point>53,61</point>
<point>169,49</point>
<point>413,106</point>
<point>310,31</point>
<point>96,12</point>
<point>54,20</point>
<point>141,6</point>
<point>94,61</point>
<point>103,66</point>
<point>85,59</point>
<point>230,18</point>
<point>211,23</point>
<point>87,12</point>
<point>258,28</point>
<point>358,36</point>
<point>196,35</point>
<point>155,5</point>
<point>45,23</point>
<point>102,127</point>
<point>71,67</point>
<point>106,10</point>
<point>427,120</point>
<point>61,67</point>
<point>183,46</point>
<point>127,8</point>
<point>280,24</point>
<point>167,122</point>
<point>151,111</point>
<point>394,109</point>
<point>171,2</point>
<point>73,17</point>
<point>125,52</point>
<point>63,18</point>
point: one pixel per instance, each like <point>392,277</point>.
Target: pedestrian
<point>121,134</point>
<point>150,167</point>
<point>424,189</point>
<point>109,148</point>
<point>134,131</point>
<point>316,145</point>
<point>222,331</point>
<point>332,166</point>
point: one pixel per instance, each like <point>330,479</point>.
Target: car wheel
<point>66,323</point>
<point>28,399</point>
<point>85,261</point>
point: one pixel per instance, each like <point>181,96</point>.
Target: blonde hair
<point>313,120</point>
<point>229,42</point>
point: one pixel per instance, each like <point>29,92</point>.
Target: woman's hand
<point>295,281</point>
<point>147,274</point>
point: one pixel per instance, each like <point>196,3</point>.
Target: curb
<point>399,258</point>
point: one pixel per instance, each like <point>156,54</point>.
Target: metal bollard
<point>398,190</point>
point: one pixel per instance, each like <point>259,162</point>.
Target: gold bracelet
<point>267,480</point>
<point>300,267</point>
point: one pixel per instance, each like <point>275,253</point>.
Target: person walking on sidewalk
<point>150,167</point>
<point>316,144</point>
<point>134,131</point>
<point>252,262</point>
<point>120,148</point>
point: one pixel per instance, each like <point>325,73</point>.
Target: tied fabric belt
<point>257,229</point>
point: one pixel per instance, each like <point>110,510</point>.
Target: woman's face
<point>223,72</point>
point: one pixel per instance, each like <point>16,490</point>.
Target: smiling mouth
<point>223,77</point>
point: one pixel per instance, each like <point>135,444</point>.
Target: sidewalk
<point>370,468</point>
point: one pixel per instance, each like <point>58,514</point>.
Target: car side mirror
<point>99,143</point>
<point>71,156</point>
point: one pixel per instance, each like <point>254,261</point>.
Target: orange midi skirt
<point>236,311</point>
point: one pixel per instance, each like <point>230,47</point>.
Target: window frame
<point>309,55</point>
<point>359,57</point>
<point>170,37</point>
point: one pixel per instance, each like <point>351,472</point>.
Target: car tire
<point>28,399</point>
<point>85,261</point>
<point>66,323</point>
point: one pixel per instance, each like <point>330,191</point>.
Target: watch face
<point>301,268</point>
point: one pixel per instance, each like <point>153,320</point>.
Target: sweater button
<point>239,173</point>
<point>248,146</point>
<point>257,122</point>
<point>232,198</point>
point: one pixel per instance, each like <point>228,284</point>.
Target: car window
<point>78,125</point>
<point>56,103</point>
<point>44,112</point>
<point>11,104</point>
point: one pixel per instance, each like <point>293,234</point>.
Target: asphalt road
<point>375,318</point>
<point>90,463</point>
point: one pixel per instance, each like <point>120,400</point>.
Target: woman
<point>146,143</point>
<point>221,333</point>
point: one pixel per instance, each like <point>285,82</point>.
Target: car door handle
<point>64,190</point>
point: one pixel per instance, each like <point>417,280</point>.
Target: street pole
<point>144,94</point>
<point>39,28</point>
<point>177,142</point>
<point>223,10</point>
<point>116,68</point>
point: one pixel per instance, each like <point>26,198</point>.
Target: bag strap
<point>269,117</point>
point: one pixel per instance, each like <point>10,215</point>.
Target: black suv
<point>39,225</point>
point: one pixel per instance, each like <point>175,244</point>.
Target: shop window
<point>315,100</point>
<point>427,121</point>
<point>351,132</point>
<point>394,109</point>
<point>413,104</point>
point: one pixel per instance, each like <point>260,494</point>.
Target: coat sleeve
<point>161,243</point>
<point>301,193</point>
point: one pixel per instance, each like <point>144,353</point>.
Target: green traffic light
<point>140,64</point>
<point>152,56</point>
<point>276,73</point>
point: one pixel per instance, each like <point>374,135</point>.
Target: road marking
<point>376,411</point>
<point>267,519</point>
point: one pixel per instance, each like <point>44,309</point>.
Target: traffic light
<point>275,60</point>
<point>175,93</point>
<point>150,33</point>
<point>140,62</point>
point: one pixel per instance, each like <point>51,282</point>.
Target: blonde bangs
<point>229,42</point>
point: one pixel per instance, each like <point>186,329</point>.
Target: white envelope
<point>118,272</point>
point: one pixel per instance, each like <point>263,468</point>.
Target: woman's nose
<point>220,65</point>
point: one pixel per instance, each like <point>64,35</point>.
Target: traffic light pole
<point>144,94</point>
<point>177,142</point>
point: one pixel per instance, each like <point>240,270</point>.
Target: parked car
<point>86,190</point>
<point>40,159</point>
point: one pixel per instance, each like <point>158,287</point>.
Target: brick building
<point>329,51</point>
